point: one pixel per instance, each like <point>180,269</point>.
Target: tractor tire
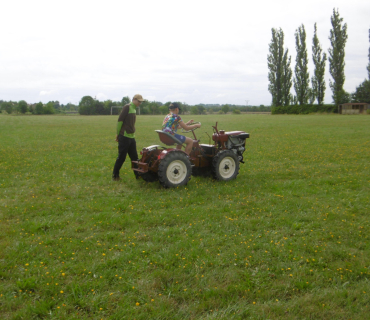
<point>149,176</point>
<point>225,165</point>
<point>174,170</point>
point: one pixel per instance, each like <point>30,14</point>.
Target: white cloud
<point>46,93</point>
<point>101,97</point>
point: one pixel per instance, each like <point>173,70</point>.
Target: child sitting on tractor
<point>172,121</point>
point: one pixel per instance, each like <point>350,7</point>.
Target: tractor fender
<point>167,151</point>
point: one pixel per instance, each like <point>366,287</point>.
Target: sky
<point>203,51</point>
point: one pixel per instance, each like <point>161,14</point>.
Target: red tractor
<point>173,167</point>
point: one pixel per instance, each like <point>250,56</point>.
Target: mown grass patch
<point>287,239</point>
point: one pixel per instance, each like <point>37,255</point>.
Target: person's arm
<point>187,128</point>
<point>119,127</point>
<point>189,122</point>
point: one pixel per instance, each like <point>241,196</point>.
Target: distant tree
<point>293,100</point>
<point>153,107</point>
<point>163,109</point>
<point>362,93</point>
<point>39,108</point>
<point>49,108</point>
<point>56,105</point>
<point>311,96</point>
<point>280,73</point>
<point>201,109</point>
<point>70,107</point>
<point>319,60</point>
<point>236,111</point>
<point>345,97</point>
<point>100,108</point>
<point>225,108</point>
<point>184,108</point>
<point>194,110</point>
<point>108,104</point>
<point>125,100</point>
<point>368,66</point>
<point>302,79</point>
<point>7,106</point>
<point>87,105</point>
<point>22,106</point>
<point>338,38</point>
<point>287,79</point>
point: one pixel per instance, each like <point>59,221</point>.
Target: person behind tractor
<point>172,121</point>
<point>126,135</point>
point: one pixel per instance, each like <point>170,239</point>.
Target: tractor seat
<point>167,138</point>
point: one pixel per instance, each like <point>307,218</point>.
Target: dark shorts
<point>180,137</point>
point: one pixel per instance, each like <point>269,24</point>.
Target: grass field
<point>288,239</point>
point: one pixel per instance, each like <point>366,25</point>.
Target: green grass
<point>288,239</point>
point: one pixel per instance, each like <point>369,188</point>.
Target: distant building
<point>353,108</point>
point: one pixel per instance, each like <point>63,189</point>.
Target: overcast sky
<point>203,51</point>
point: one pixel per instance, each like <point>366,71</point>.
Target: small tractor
<point>173,167</point>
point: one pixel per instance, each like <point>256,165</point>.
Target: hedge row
<point>305,109</point>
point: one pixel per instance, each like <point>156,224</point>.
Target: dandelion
<point>137,303</point>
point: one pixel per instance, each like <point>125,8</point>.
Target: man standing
<point>126,135</point>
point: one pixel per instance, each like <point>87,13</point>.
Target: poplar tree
<point>287,79</point>
<point>338,38</point>
<point>302,79</point>
<point>319,60</point>
<point>368,67</point>
<point>280,74</point>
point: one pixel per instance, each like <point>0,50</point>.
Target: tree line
<point>23,107</point>
<point>281,78</point>
<point>92,106</point>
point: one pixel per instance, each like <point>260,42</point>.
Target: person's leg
<point>123,145</point>
<point>186,140</point>
<point>132,152</point>
<point>189,145</point>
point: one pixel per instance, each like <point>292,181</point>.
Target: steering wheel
<point>186,131</point>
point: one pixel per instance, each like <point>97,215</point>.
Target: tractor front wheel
<point>174,170</point>
<point>225,165</point>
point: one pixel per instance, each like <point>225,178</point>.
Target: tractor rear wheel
<point>174,170</point>
<point>225,165</point>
